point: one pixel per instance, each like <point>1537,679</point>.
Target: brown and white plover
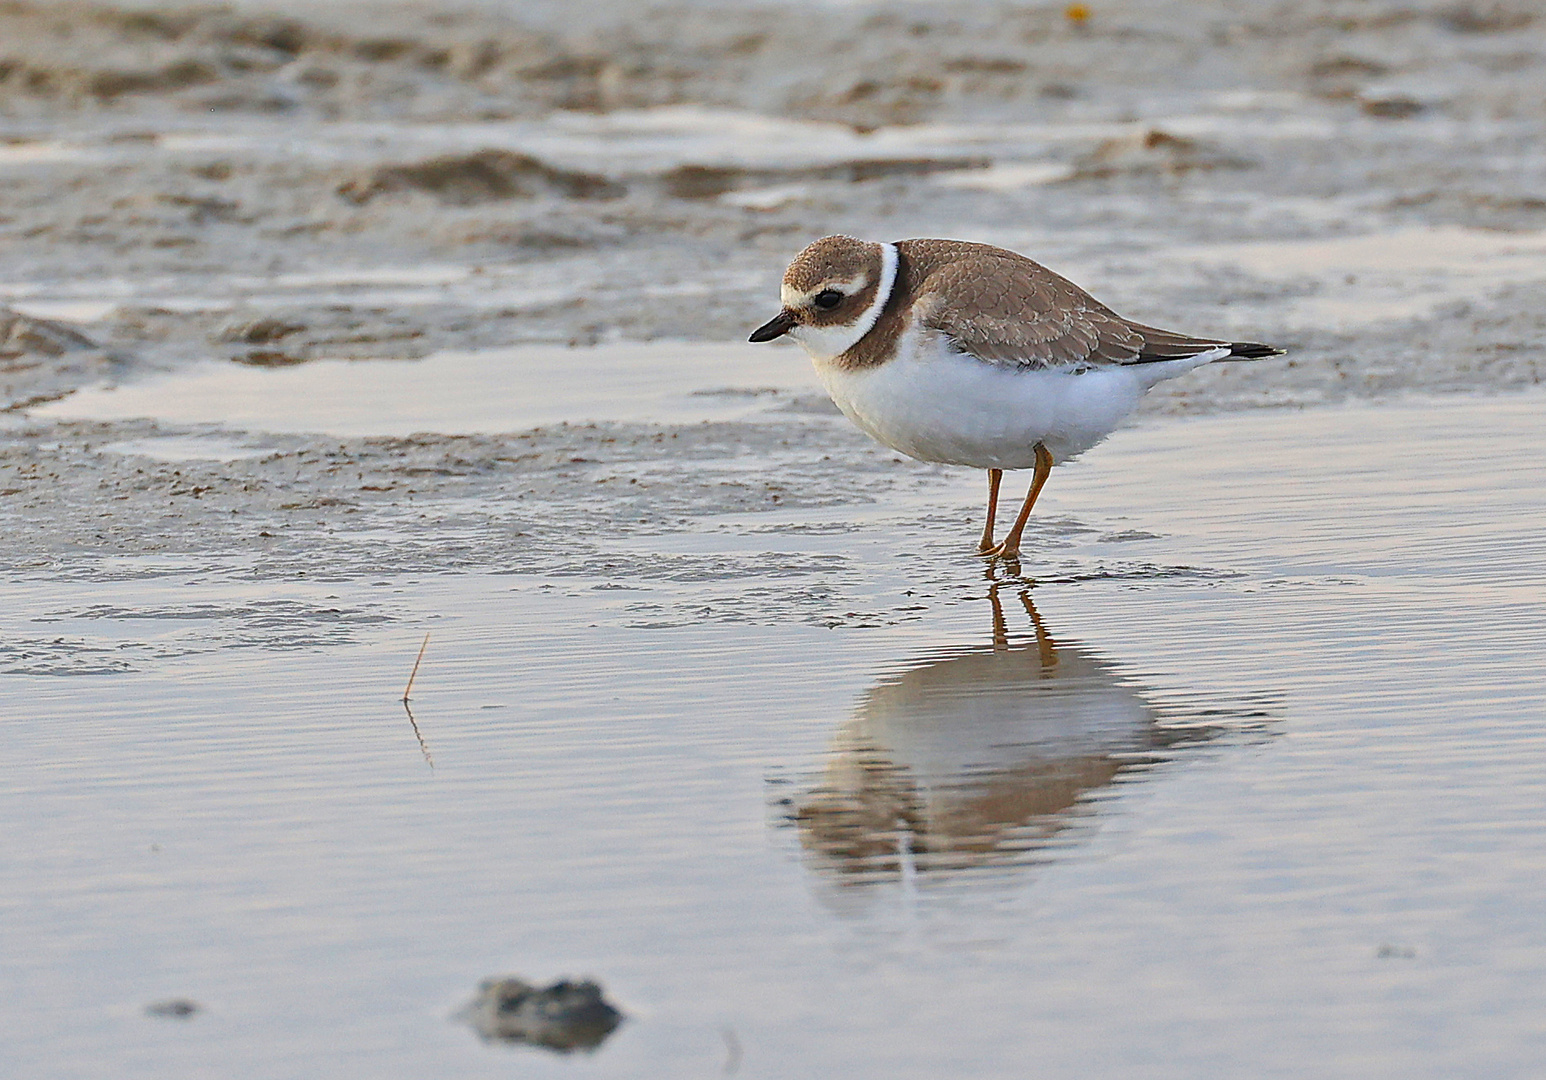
<point>968,354</point>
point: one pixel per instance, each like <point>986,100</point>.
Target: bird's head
<point>832,294</point>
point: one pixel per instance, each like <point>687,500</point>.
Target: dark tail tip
<point>1250,350</point>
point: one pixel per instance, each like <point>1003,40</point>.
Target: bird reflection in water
<point>987,756</point>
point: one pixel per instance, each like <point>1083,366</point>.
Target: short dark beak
<point>776,327</point>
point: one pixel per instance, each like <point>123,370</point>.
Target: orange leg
<point>995,477</point>
<point>1010,548</point>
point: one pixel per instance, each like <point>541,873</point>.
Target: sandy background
<point>204,154</point>
<point>1363,184</point>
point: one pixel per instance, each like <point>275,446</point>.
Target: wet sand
<point>188,184</point>
<point>1276,756</point>
<point>328,331</point>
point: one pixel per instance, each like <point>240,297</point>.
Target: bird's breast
<point>934,403</point>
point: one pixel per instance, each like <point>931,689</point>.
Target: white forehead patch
<point>791,297</point>
<point>827,342</point>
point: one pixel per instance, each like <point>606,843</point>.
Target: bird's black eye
<point>827,299</point>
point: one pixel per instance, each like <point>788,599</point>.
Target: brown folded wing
<point>1004,308</point>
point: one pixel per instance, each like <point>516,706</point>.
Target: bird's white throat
<point>828,342</point>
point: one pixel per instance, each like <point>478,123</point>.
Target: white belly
<point>935,404</point>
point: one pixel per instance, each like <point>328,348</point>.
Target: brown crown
<point>832,258</point>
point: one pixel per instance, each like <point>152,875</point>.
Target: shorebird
<point>967,354</point>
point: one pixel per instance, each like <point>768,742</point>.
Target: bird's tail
<point>1166,354</point>
<point>1250,350</point>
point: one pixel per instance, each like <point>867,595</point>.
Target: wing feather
<point>1006,309</point>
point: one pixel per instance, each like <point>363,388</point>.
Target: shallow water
<point>1359,280</point>
<point>1242,776</point>
<point>490,391</point>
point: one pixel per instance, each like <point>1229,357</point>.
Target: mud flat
<point>322,332</point>
<point>273,186</point>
